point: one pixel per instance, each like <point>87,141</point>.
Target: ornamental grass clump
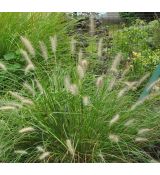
<point>73,115</point>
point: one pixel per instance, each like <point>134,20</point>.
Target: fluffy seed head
<point>154,161</point>
<point>125,72</point>
<point>92,25</point>
<point>155,88</point>
<point>39,86</point>
<point>84,64</point>
<point>26,56</point>
<point>114,138</point>
<point>6,108</point>
<point>114,119</point>
<point>30,67</point>
<point>112,84</point>
<point>101,157</point>
<point>80,55</point>
<point>29,88</point>
<point>43,49</point>
<point>26,130</point>
<point>21,98</point>
<point>116,62</point>
<point>139,102</point>
<point>54,43</point>
<point>40,149</point>
<point>140,139</point>
<point>44,155</point>
<point>28,45</point>
<point>67,83</point>
<point>130,85</point>
<point>143,131</point>
<point>142,80</point>
<point>73,89</point>
<point>14,104</point>
<point>70,147</point>
<point>73,46</point>
<point>99,82</point>
<point>86,101</point>
<point>129,122</point>
<point>152,84</point>
<point>3,67</point>
<point>122,92</point>
<point>100,48</point>
<point>22,152</point>
<point>80,72</point>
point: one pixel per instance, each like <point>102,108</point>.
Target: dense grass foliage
<point>70,114</point>
<point>37,27</point>
<point>72,98</point>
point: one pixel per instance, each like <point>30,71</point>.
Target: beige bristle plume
<point>28,45</point>
<point>112,84</point>
<point>155,88</point>
<point>92,25</point>
<point>114,138</point>
<point>44,155</point>
<point>73,46</point>
<point>139,102</point>
<point>125,72</point>
<point>22,152</point>
<point>154,161</point>
<point>29,68</point>
<point>80,71</point>
<point>73,89</point>
<point>43,49</point>
<point>100,48</point>
<point>29,88</point>
<point>70,147</point>
<point>40,149</point>
<point>26,130</point>
<point>54,43</point>
<point>84,64</point>
<point>122,92</point>
<point>143,131</point>
<point>6,108</point>
<point>152,84</point>
<point>141,139</point>
<point>30,65</point>
<point>67,82</point>
<point>130,85</point>
<point>142,80</point>
<point>14,104</point>
<point>114,119</point>
<point>129,122</point>
<point>116,62</point>
<point>3,67</point>
<point>26,56</point>
<point>39,86</point>
<point>80,55</point>
<point>102,157</point>
<point>21,98</point>
<point>86,101</point>
<point>99,82</point>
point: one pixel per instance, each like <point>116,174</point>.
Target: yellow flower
<point>136,54</point>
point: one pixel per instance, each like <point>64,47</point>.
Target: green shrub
<point>141,39</point>
<point>146,60</point>
<point>133,38</point>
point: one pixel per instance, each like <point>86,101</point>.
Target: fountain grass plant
<point>69,114</point>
